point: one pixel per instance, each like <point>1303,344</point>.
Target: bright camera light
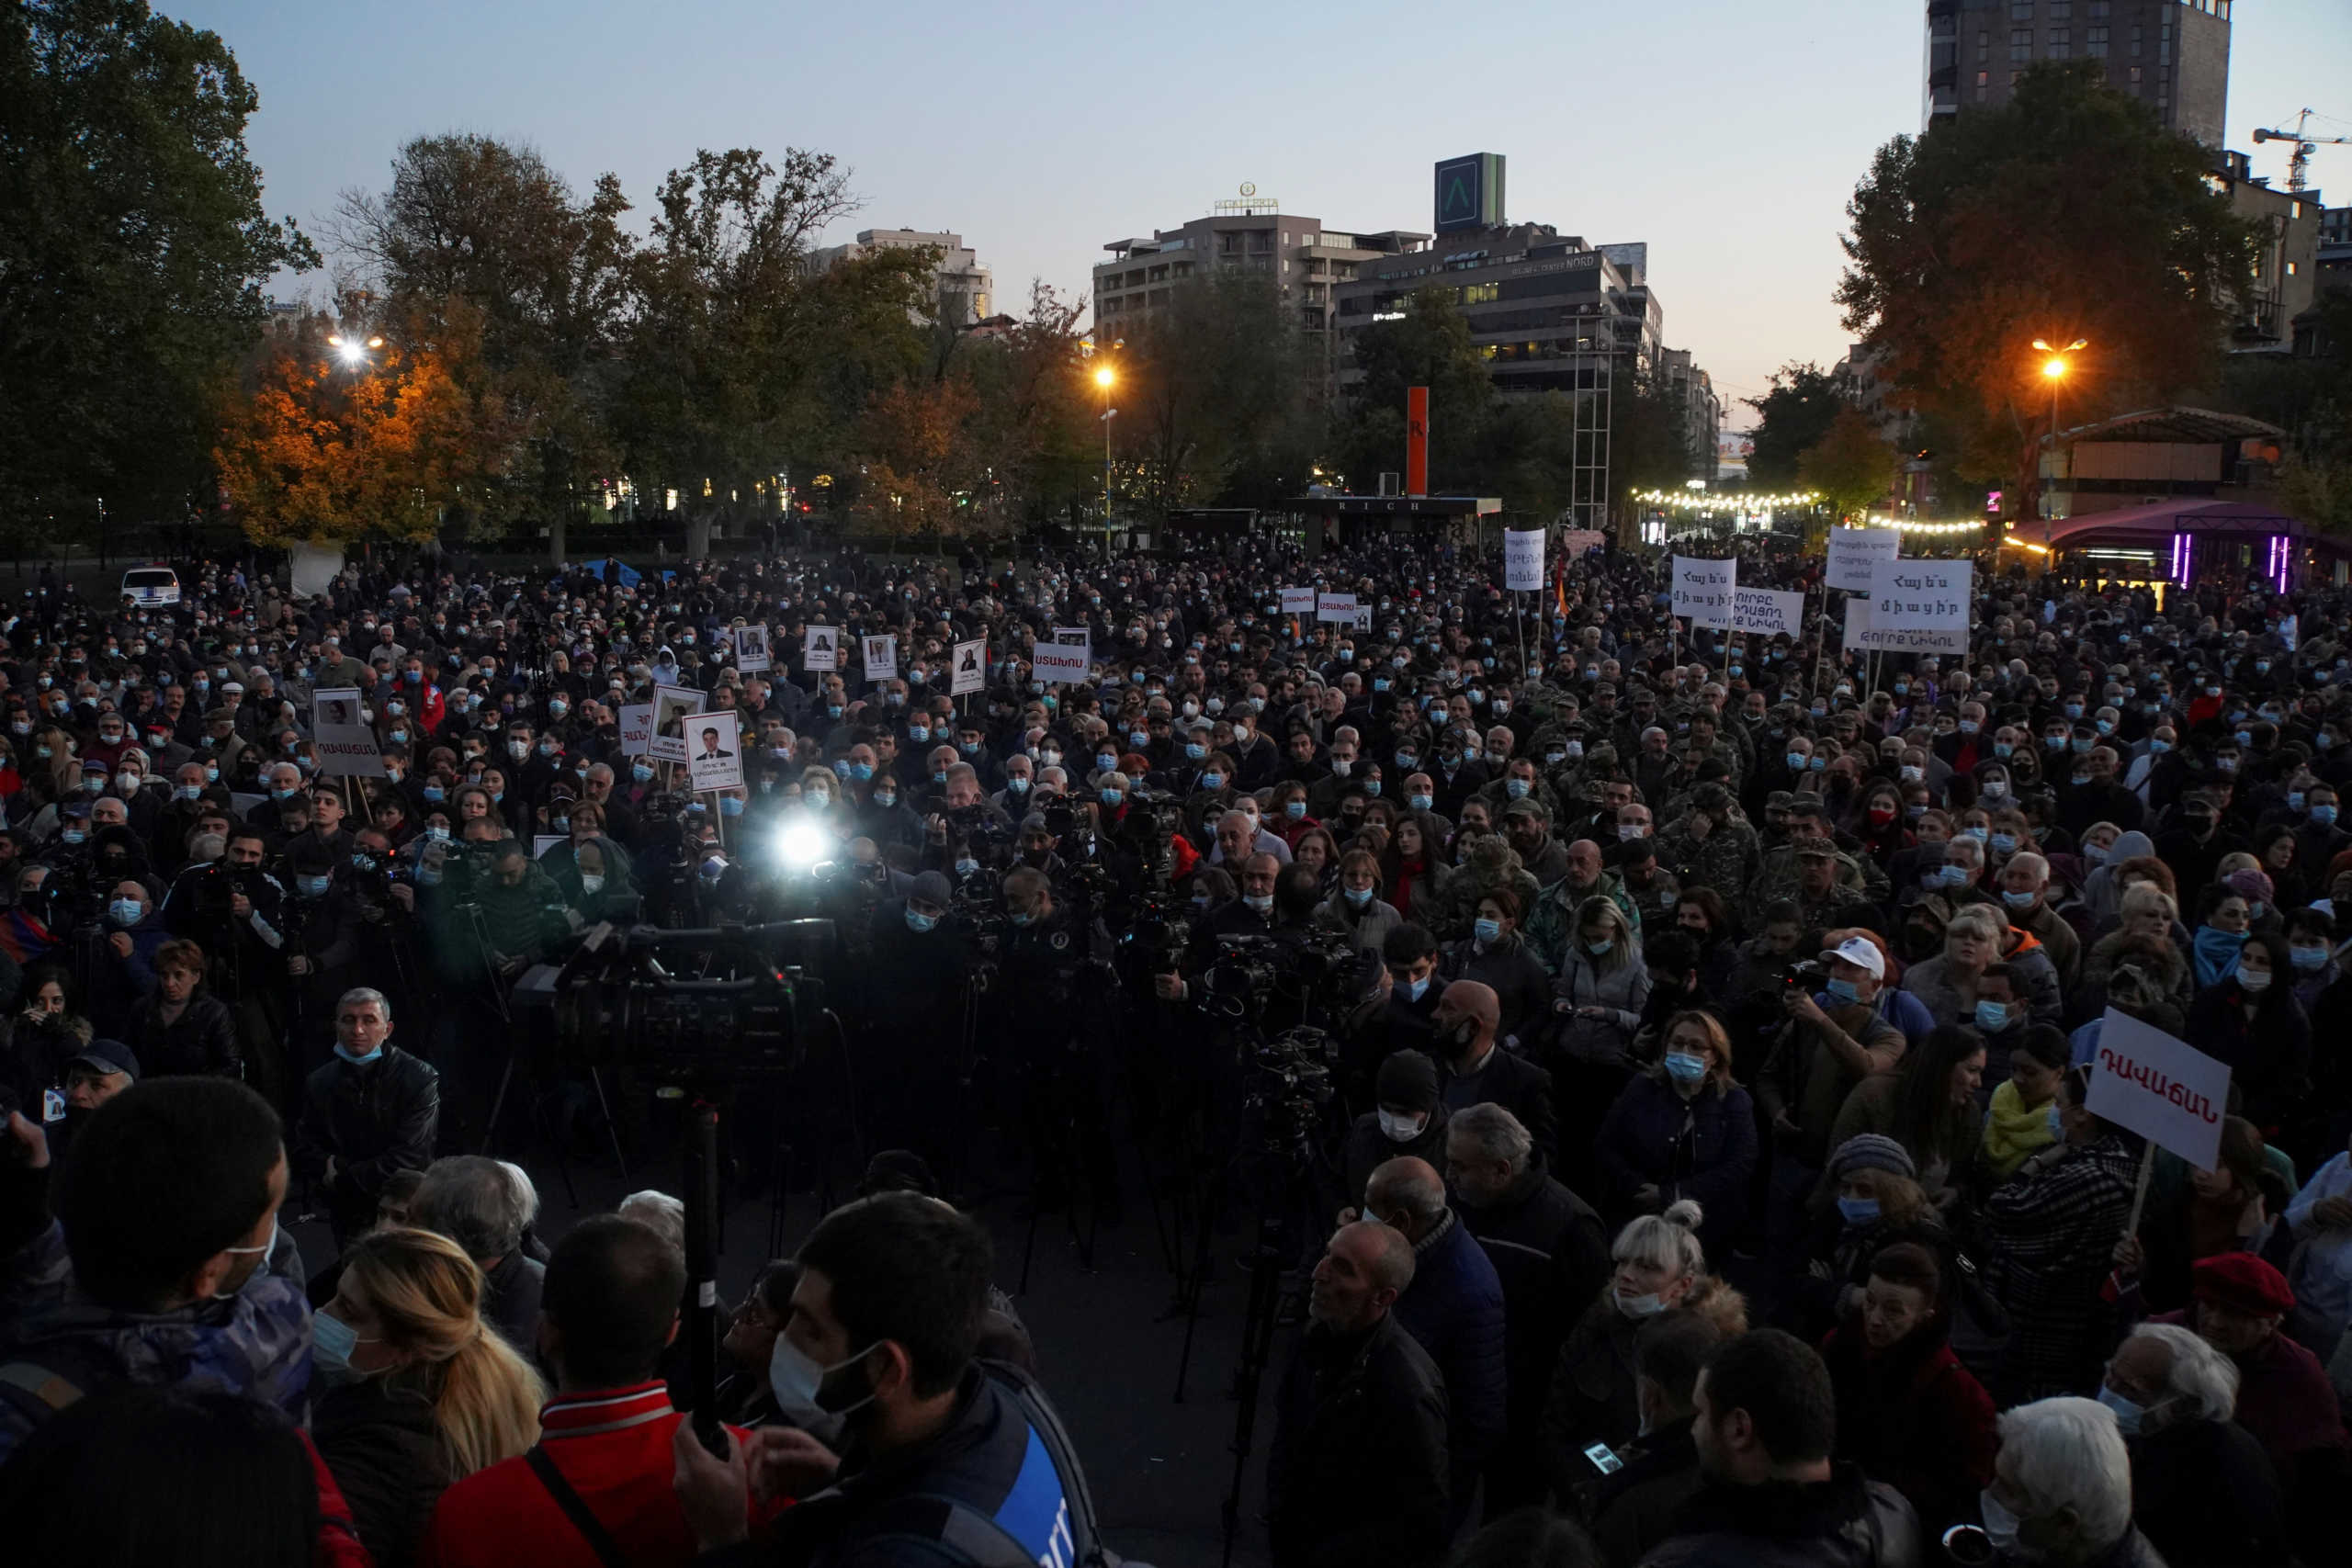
<point>801,844</point>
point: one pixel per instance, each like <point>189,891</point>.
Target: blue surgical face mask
<point>2004,843</point>
<point>1992,1017</point>
<point>2308,959</point>
<point>1111,797</point>
<point>2129,1414</point>
<point>126,911</point>
<point>641,772</point>
<point>2016,900</point>
<point>1954,876</point>
<point>1486,930</point>
<point>1413,988</point>
<point>1295,810</point>
<point>1358,897</point>
<point>1844,993</point>
<point>1683,1067</point>
<point>1418,802</point>
<point>2323,816</point>
<point>1856,1211</point>
<point>919,921</point>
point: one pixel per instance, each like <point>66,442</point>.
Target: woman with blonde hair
<point>1659,1265</point>
<point>420,1392</point>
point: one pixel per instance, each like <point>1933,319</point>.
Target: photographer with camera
<point>1833,1039</point>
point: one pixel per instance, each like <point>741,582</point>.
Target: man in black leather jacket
<point>371,1111</point>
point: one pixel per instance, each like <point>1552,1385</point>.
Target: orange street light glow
<point>2055,369</point>
<point>1104,377</point>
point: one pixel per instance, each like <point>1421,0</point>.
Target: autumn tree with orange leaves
<point>315,450</point>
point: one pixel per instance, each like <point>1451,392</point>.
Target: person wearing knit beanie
<point>1871,1151</point>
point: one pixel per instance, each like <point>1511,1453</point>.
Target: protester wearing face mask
<point>170,1198</point>
<point>875,1367</point>
<point>373,1110</point>
<point>414,1393</point>
<point>1657,1265</point>
<point>2203,1491</point>
<point>2249,1018</point>
<point>1406,1118</point>
<point>1475,1069</point>
<point>1682,1129</point>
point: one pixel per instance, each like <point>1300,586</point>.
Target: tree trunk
<point>698,537</point>
<point>556,539</point>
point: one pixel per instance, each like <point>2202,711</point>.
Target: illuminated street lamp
<point>2054,371</point>
<point>1104,378</point>
<point>352,351</point>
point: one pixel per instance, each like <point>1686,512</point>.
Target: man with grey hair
<point>372,1109</point>
<point>2025,886</point>
<point>485,1206</point>
<point>1357,1472</point>
<point>2061,1488</point>
<point>1551,1256</point>
<point>2206,1493</point>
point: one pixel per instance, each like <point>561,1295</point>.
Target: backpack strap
<point>575,1508</point>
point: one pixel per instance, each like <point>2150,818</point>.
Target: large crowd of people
<point>1662,1059</point>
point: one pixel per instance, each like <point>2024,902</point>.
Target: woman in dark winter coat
<point>1659,1264</point>
<point>419,1393</point>
<point>2251,1021</point>
<point>1682,1130</point>
<point>1495,954</point>
<point>1908,1413</point>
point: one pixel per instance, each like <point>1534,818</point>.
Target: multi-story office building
<point>2174,54</point>
<point>966,297</point>
<point>2286,266</point>
<point>1298,255</point>
<point>1693,391</point>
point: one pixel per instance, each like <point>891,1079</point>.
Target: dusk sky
<point>1727,133</point>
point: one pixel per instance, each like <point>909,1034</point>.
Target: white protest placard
<point>751,650</point>
<point>1057,663</point>
<point>1364,616</point>
<point>2290,631</point>
<point>673,705</point>
<point>1339,608</point>
<point>636,729</point>
<point>1863,633</point>
<point>1523,559</point>
<point>1703,590</point>
<point>1298,600</point>
<point>970,669</point>
<point>2162,1089</point>
<point>714,761</point>
<point>346,746</point>
<point>1767,612</point>
<point>542,842</point>
<point>1854,555</point>
<point>881,657</point>
<point>1074,636</point>
<point>821,648</point>
<point>1925,595</point>
<point>1574,542</point>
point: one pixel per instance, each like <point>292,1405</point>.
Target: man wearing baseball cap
<point>2237,1303</point>
<point>103,1069</point>
<point>1834,1039</point>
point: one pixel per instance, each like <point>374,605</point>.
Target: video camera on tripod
<point>1320,972</point>
<point>614,1003</point>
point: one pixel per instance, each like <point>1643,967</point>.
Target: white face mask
<point>1401,1129</point>
<point>1647,1305</point>
<point>799,1384</point>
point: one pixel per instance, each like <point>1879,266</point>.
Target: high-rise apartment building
<point>1301,258</point>
<point>965,291</point>
<point>2174,54</point>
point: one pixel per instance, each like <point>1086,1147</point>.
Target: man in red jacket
<point>596,1490</point>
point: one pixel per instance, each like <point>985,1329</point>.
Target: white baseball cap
<point>1860,952</point>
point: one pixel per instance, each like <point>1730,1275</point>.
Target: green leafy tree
<point>133,249</point>
<point>2070,212</point>
<point>1213,399</point>
<point>1798,411</point>
<point>1851,465</point>
<point>1035,418</point>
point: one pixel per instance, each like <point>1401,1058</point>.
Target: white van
<point>152,585</point>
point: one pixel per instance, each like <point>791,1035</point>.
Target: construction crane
<point>2299,166</point>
